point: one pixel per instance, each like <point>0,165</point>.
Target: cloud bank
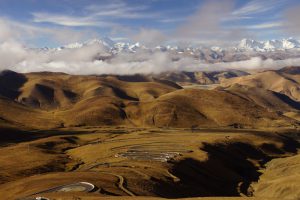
<point>206,24</point>
<point>85,60</point>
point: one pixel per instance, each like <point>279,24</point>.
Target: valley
<point>150,100</point>
<point>94,137</point>
<point>122,161</point>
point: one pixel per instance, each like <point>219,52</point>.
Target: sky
<point>27,24</point>
<point>50,23</point>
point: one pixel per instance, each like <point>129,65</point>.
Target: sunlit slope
<point>47,99</point>
<point>16,114</point>
<point>273,101</point>
<point>170,163</point>
<point>285,81</point>
<point>195,107</point>
<point>280,179</point>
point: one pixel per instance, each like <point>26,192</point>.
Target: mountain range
<point>269,45</point>
<point>243,45</point>
<point>244,50</point>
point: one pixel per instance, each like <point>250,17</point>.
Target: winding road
<point>74,187</point>
<point>121,182</point>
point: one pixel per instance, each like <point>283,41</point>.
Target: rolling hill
<point>285,81</point>
<point>203,78</point>
<point>57,100</point>
<point>145,135</point>
<point>273,101</point>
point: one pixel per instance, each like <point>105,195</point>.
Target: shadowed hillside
<point>195,107</point>
<point>285,81</point>
<point>265,98</point>
<point>212,77</point>
<point>59,100</point>
<point>10,83</point>
<point>140,135</point>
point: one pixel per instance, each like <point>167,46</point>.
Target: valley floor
<point>150,163</point>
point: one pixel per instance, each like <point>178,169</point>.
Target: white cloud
<point>120,39</point>
<point>12,30</point>
<point>258,63</point>
<point>11,53</point>
<point>171,20</point>
<point>266,25</point>
<point>207,24</point>
<point>120,9</point>
<point>291,21</point>
<point>257,6</point>
<point>84,61</point>
<point>66,20</point>
<point>149,37</point>
<point>6,31</point>
<point>99,15</point>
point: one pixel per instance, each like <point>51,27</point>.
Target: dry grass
<point>90,156</point>
<point>56,100</point>
<point>281,179</point>
<point>277,81</point>
<point>135,135</point>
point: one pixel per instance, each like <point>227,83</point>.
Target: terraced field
<point>97,162</point>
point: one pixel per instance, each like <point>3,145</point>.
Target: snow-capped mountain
<point>247,44</point>
<point>270,45</point>
<point>244,45</point>
<point>106,42</point>
<point>244,50</point>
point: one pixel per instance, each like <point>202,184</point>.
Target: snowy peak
<point>270,45</point>
<point>73,45</point>
<point>245,45</point>
<point>248,44</point>
<point>290,43</point>
<point>106,42</point>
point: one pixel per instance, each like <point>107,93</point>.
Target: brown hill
<point>195,107</point>
<point>74,100</point>
<point>203,78</point>
<point>280,179</point>
<point>10,82</point>
<point>285,81</point>
<point>290,70</point>
<point>53,91</point>
<point>55,100</point>
<point>268,99</point>
<point>16,114</point>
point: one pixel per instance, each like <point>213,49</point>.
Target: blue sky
<point>55,22</point>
